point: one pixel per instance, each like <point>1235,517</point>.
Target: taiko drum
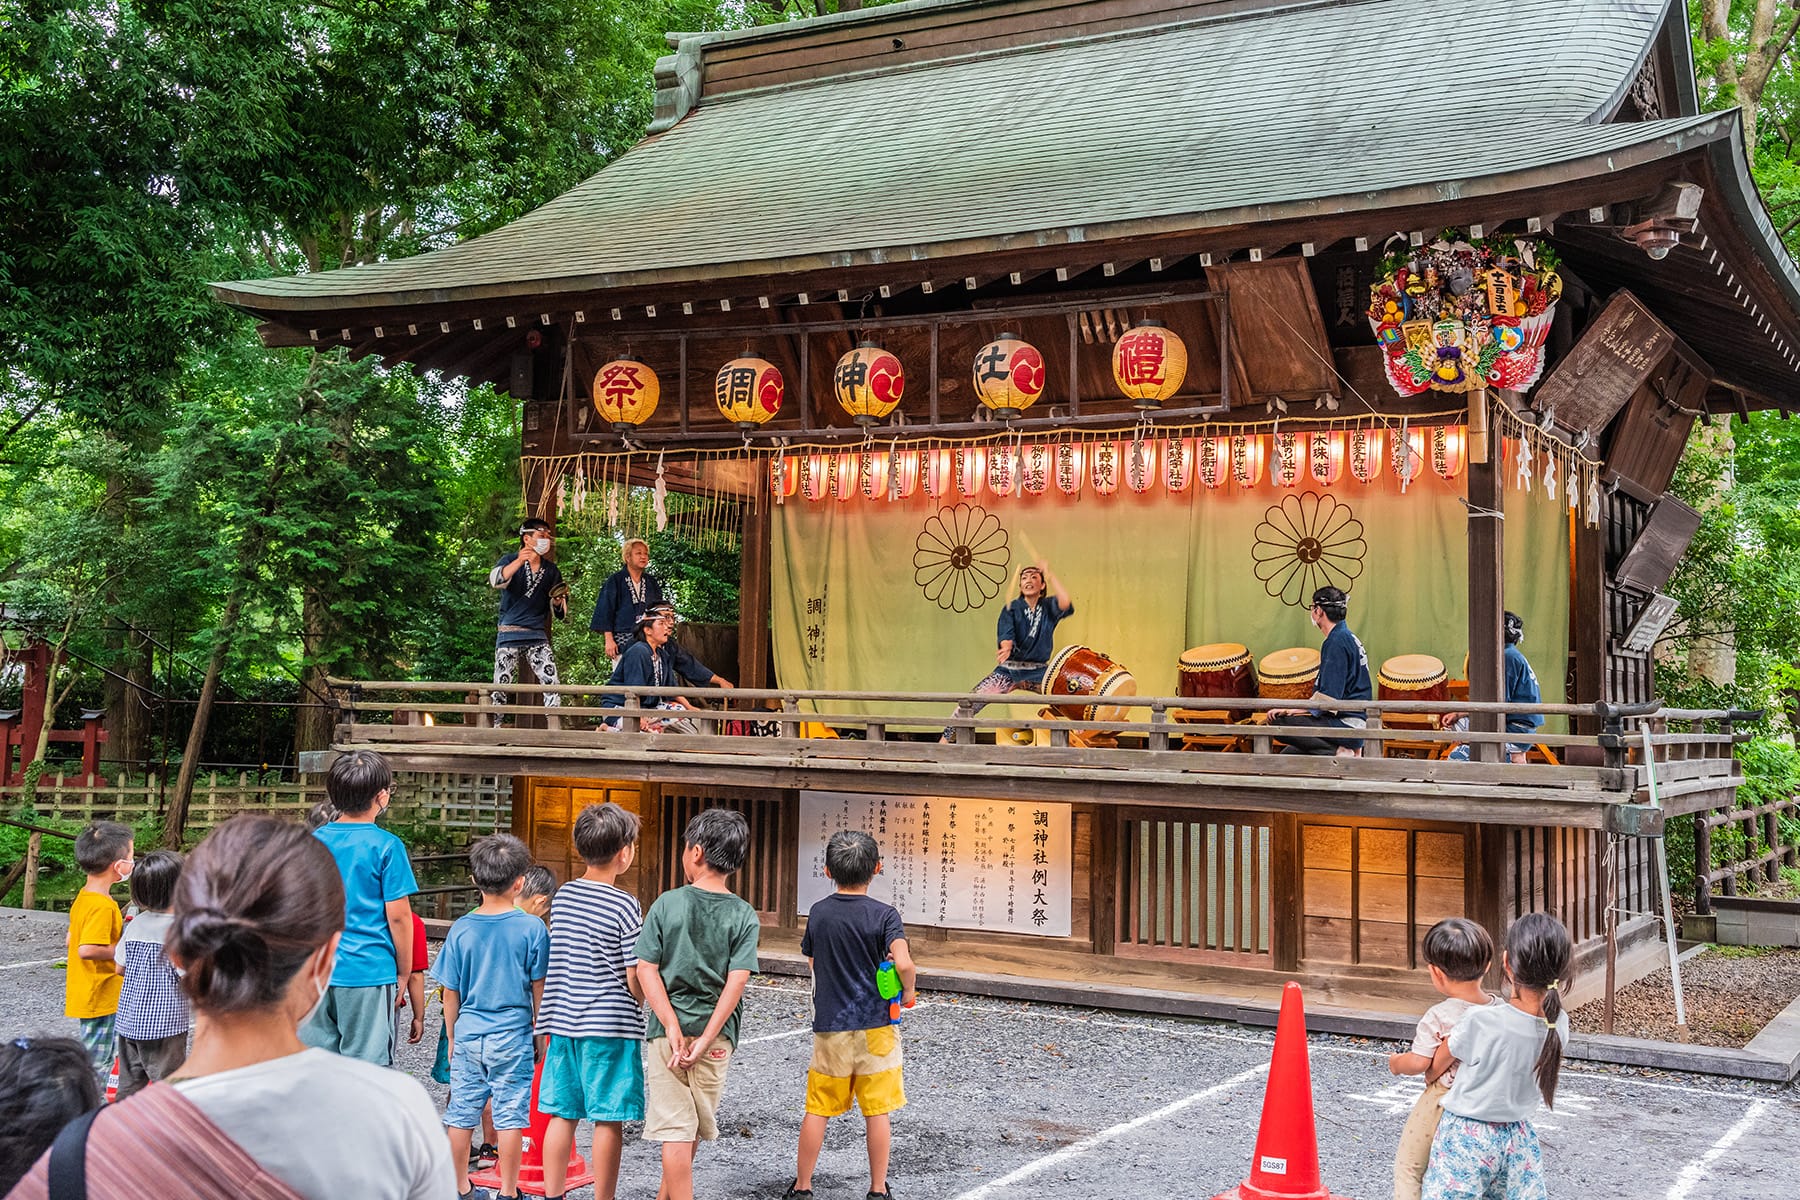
<point>1413,677</point>
<point>1291,674</point>
<point>1221,670</point>
<point>1081,671</point>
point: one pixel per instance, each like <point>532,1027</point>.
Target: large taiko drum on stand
<point>1291,674</point>
<point>1081,671</point>
<point>1413,677</point>
<point>1221,670</point>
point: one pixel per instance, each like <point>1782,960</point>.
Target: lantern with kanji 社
<point>625,393</point>
<point>1009,376</point>
<point>869,382</point>
<point>748,391</point>
<point>1149,364</point>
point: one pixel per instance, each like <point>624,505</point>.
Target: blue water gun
<point>887,982</point>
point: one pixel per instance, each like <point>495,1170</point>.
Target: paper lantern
<point>970,465</point>
<point>1003,470</point>
<point>1288,467</point>
<point>934,477</point>
<point>748,391</point>
<point>1326,451</point>
<point>1449,450</point>
<point>1178,465</point>
<point>1149,364</point>
<point>815,476</point>
<point>1070,466</point>
<point>1034,469</point>
<point>843,475</point>
<point>872,474</point>
<point>1211,455</point>
<point>1140,465</point>
<point>869,383</point>
<point>784,474</point>
<point>1105,461</point>
<point>625,393</point>
<point>1365,454</point>
<point>1409,456</point>
<point>903,473</point>
<point>1009,376</point>
<point>1246,460</point>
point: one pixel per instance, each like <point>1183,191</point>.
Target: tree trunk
<point>175,817</point>
<point>312,725</point>
<point>127,691</point>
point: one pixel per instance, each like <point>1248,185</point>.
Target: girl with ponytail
<point>1510,1056</point>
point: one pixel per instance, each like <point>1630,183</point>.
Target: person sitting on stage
<point>1026,635</point>
<point>1521,688</point>
<point>1343,675</point>
<point>625,597</point>
<point>655,660</point>
<point>531,590</point>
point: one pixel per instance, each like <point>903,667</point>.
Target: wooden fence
<point>1761,827</point>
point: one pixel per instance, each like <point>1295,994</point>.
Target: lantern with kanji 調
<point>1149,364</point>
<point>1009,376</point>
<point>748,391</point>
<point>869,382</point>
<point>625,393</point>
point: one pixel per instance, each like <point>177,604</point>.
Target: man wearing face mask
<point>531,591</point>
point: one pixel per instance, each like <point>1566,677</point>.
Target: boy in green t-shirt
<point>91,983</point>
<point>695,955</point>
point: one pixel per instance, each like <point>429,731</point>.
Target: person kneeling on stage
<point>1026,635</point>
<point>655,660</point>
<point>1521,688</point>
<point>1343,675</point>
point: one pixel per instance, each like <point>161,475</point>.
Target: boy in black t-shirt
<point>856,1051</point>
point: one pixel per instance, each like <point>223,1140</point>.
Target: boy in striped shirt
<point>593,1066</point>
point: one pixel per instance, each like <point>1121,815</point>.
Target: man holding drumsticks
<point>1026,634</point>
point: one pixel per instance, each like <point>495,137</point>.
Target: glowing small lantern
<point>1149,364</point>
<point>1326,451</point>
<point>1069,468</point>
<point>843,475</point>
<point>902,473</point>
<point>869,383</point>
<point>1287,460</point>
<point>935,468</point>
<point>1246,460</point>
<point>1009,376</point>
<point>1178,465</point>
<point>1034,469</point>
<point>1365,455</point>
<point>872,474</point>
<point>971,465</point>
<point>1003,470</point>
<point>784,475</point>
<point>1105,460</point>
<point>625,393</point>
<point>815,476</point>
<point>1140,465</point>
<point>748,391</point>
<point>1449,450</point>
<point>1210,457</point>
<point>1409,456</point>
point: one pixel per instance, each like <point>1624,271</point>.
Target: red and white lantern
<point>1104,456</point>
<point>1003,470</point>
<point>1009,376</point>
<point>1034,469</point>
<point>1365,455</point>
<point>1070,465</point>
<point>1178,465</point>
<point>970,465</point>
<point>1287,460</point>
<point>1211,456</point>
<point>1326,452</point>
<point>1246,459</point>
<point>1140,465</point>
<point>1449,450</point>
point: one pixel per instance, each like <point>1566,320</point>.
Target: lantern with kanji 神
<point>1178,465</point>
<point>1034,469</point>
<point>1288,468</point>
<point>748,391</point>
<point>869,382</point>
<point>1365,454</point>
<point>1009,376</point>
<point>1326,451</point>
<point>1149,364</point>
<point>625,393</point>
<point>1069,468</point>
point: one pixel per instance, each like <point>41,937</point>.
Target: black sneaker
<point>887,1195</point>
<point>483,1156</point>
<point>475,1193</point>
<point>794,1193</point>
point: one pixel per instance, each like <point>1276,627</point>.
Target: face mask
<point>320,1001</point>
<point>126,873</point>
<point>542,545</point>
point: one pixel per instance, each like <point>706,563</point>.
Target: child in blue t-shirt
<point>492,968</point>
<point>375,956</point>
<point>856,1050</point>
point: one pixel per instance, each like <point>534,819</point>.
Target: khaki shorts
<point>864,1063</point>
<point>683,1106</point>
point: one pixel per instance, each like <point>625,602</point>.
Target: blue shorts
<point>593,1079</point>
<point>491,1064</point>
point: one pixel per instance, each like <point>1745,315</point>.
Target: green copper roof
<point>1223,120</point>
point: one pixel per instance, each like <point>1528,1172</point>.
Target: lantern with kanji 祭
<point>625,393</point>
<point>1009,376</point>
<point>869,382</point>
<point>748,391</point>
<point>1149,364</point>
<point>1326,451</point>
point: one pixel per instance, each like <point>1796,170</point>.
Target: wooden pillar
<point>1487,542</point>
<point>755,564</point>
<point>1588,619</point>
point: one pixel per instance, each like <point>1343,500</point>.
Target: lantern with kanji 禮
<point>1009,376</point>
<point>1070,471</point>
<point>1104,457</point>
<point>869,382</point>
<point>1149,364</point>
<point>1365,454</point>
<point>1178,465</point>
<point>1210,455</point>
<point>748,391</point>
<point>1034,469</point>
<point>1287,468</point>
<point>1326,451</point>
<point>1449,450</point>
<point>625,393</point>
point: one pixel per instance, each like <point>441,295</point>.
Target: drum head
<point>1412,669</point>
<point>1293,663</point>
<point>1214,654</point>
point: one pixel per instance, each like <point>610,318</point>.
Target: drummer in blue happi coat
<point>1026,634</point>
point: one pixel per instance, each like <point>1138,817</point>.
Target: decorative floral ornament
<point>960,557</point>
<point>1306,542</point>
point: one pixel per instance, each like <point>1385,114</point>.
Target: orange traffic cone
<point>531,1163</point>
<point>1286,1166</point>
<point>112,1082</point>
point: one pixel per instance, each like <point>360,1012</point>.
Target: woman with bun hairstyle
<point>255,930</point>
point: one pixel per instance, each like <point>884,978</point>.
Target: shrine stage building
<point>1167,296</point>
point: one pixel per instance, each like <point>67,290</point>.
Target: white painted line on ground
<point>775,1037</point>
<point>42,962</point>
<point>1695,1171</point>
<point>1086,1144</point>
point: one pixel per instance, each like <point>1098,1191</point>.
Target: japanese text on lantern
<point>814,629</point>
<point>620,382</point>
<point>1140,359</point>
<point>736,385</point>
<point>951,862</point>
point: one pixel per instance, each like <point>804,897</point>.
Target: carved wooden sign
<point>1610,362</point>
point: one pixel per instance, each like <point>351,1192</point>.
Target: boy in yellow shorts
<point>856,1051</point>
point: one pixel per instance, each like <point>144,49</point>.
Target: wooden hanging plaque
<point>1610,362</point>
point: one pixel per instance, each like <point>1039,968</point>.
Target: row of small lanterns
<point>1149,365</point>
<point>1035,468</point>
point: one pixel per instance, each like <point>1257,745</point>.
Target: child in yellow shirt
<point>92,982</point>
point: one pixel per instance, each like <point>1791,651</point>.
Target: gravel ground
<point>1729,997</point>
<point>1013,1101</point>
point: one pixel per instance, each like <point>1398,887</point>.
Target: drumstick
<point>1032,557</point>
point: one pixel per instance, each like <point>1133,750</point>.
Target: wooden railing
<point>1777,852</point>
